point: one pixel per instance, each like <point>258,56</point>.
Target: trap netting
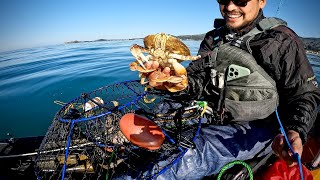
<point>85,141</point>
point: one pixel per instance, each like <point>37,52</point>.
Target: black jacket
<point>281,53</point>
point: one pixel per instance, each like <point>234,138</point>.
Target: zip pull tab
<point>213,75</point>
<point>221,80</point>
<point>221,86</point>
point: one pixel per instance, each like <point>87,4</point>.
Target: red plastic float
<point>141,131</point>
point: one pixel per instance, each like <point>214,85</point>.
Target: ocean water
<point>32,79</point>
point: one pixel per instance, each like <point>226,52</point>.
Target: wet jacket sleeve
<point>299,95</point>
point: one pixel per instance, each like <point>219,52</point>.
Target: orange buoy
<point>141,131</point>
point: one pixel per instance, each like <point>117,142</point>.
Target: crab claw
<point>135,67</point>
<point>183,58</point>
<point>136,51</point>
<point>143,77</point>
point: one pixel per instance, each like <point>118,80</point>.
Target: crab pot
<point>85,140</point>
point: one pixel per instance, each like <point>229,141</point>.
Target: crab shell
<point>172,44</point>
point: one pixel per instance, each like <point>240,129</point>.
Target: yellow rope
<point>204,110</point>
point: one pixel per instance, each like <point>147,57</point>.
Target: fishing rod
<point>47,151</point>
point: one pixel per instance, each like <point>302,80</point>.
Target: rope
<point>295,155</point>
<point>203,105</point>
<point>227,166</point>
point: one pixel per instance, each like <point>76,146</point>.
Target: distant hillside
<point>198,37</point>
<point>310,44</point>
<point>98,40</point>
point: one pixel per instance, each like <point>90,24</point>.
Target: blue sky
<point>29,23</point>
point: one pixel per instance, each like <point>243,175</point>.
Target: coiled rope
<point>227,166</point>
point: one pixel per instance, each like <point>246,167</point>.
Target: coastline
<point>183,37</point>
<point>311,45</point>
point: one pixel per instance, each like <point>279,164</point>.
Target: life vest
<point>251,93</point>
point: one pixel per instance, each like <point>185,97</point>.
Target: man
<point>280,53</point>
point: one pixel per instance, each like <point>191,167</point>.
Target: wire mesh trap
<point>85,141</point>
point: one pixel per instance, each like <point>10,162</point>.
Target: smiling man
<point>278,50</point>
<point>239,14</point>
<point>269,70</point>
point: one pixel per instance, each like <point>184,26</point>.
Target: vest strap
<point>264,25</point>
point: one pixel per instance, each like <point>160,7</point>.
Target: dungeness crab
<point>165,53</point>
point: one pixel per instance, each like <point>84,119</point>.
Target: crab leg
<point>176,88</point>
<point>174,79</point>
<point>135,67</point>
<point>179,69</point>
<point>182,57</point>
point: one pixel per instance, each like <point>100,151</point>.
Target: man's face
<point>238,17</point>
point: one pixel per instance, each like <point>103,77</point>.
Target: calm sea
<point>32,79</point>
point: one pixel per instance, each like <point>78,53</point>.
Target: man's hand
<point>280,147</point>
<point>157,74</point>
<point>164,78</point>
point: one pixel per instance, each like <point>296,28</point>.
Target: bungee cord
<point>295,155</point>
<point>227,166</point>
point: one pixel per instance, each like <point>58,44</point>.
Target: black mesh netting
<point>85,141</point>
